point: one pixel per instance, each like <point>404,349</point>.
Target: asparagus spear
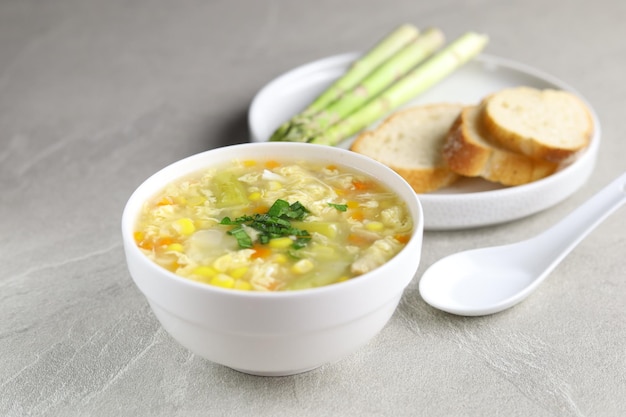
<point>357,71</point>
<point>305,127</point>
<point>424,76</point>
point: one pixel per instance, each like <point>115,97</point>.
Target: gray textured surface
<point>97,95</point>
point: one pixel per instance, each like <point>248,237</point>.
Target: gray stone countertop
<point>95,96</point>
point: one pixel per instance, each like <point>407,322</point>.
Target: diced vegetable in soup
<point>270,225</point>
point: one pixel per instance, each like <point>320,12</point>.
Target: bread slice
<point>543,124</point>
<point>470,151</point>
<point>410,142</point>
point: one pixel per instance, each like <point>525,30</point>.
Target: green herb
<point>282,209</point>
<point>243,239</point>
<point>273,224</point>
<point>340,207</point>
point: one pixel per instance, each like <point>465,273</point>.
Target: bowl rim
<point>134,202</point>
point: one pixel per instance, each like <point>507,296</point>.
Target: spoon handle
<point>557,241</point>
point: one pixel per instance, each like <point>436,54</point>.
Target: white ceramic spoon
<point>488,280</point>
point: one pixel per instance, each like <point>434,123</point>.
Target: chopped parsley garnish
<point>281,208</point>
<point>273,224</point>
<point>340,207</point>
<point>243,239</point>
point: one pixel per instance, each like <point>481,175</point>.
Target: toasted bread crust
<point>514,136</point>
<point>410,142</point>
<point>471,151</point>
<point>424,181</point>
<point>552,125</point>
<point>463,156</point>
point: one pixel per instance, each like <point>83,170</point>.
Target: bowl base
<point>275,374</point>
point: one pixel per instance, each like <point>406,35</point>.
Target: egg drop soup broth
<point>265,225</point>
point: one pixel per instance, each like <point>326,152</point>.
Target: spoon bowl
<point>488,280</point>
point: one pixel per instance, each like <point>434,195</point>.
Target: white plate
<point>471,202</point>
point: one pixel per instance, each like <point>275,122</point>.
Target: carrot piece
<point>261,251</point>
<point>272,286</point>
<point>165,201</point>
<point>261,209</point>
<point>357,215</point>
<point>358,240</point>
<point>271,164</point>
<point>402,238</point>
<point>146,244</point>
<point>165,241</point>
<point>362,185</point>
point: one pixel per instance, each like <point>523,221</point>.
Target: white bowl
<point>273,333</point>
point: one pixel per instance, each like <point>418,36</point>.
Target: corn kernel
<point>279,258</point>
<point>139,236</point>
<point>242,285</point>
<point>302,266</point>
<point>204,271</point>
<point>175,247</point>
<point>280,243</point>
<point>352,204</point>
<point>239,272</point>
<point>249,163</point>
<point>223,280</point>
<point>222,264</point>
<point>184,226</point>
<point>275,185</point>
<point>374,226</point>
<point>255,196</point>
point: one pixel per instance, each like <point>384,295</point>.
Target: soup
<point>273,225</point>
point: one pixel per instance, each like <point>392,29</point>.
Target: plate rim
<point>588,156</point>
